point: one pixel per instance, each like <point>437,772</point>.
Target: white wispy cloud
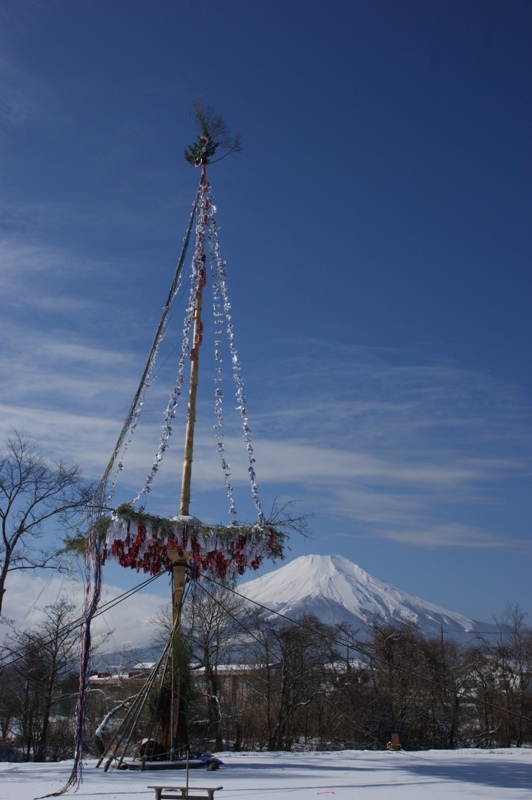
<point>129,623</point>
<point>395,444</point>
<point>454,534</point>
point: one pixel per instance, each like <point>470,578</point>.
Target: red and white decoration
<point>147,544</point>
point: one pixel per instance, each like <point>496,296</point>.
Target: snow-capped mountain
<point>336,590</point>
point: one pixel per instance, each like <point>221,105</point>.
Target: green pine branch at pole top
<point>214,133</point>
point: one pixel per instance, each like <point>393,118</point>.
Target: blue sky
<point>376,228</point>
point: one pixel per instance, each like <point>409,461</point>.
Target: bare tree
<point>9,702</point>
<point>291,675</point>
<point>504,675</point>
<point>33,492</point>
<point>43,677</point>
<point>212,629</point>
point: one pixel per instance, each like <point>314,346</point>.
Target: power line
<point>79,620</point>
<point>363,649</point>
<point>353,643</point>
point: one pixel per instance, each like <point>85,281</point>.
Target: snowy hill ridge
<point>336,590</point>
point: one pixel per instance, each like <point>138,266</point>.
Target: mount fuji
<point>335,590</point>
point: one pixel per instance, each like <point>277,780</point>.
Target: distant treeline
<point>250,683</point>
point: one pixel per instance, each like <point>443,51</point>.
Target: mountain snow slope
<point>336,590</point>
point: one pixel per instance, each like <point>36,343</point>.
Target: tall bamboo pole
<point>170,722</point>
<point>184,505</point>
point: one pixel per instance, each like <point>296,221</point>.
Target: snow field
<point>502,774</point>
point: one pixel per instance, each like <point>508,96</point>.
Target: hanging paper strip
<point>115,464</point>
<point>219,333</point>
<point>222,311</point>
<point>151,544</point>
<point>198,275</point>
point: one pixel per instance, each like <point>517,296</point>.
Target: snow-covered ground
<point>502,774</point>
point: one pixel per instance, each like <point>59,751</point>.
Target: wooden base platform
<point>194,763</point>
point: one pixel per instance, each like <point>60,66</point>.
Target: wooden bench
<point>184,793</point>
